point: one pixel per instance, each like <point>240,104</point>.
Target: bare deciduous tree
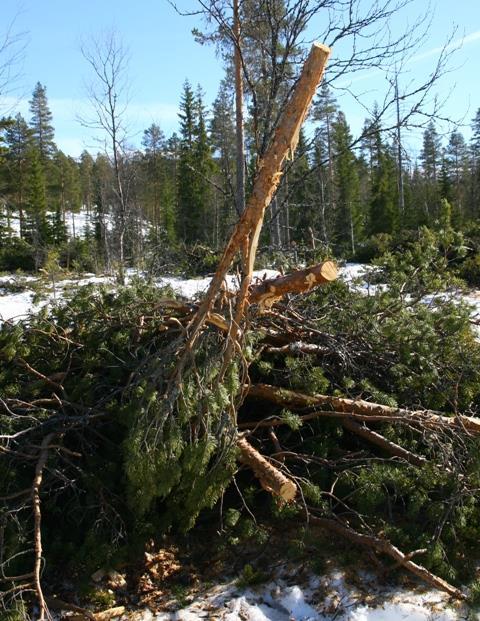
<point>108,95</point>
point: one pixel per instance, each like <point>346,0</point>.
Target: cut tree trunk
<point>247,230</point>
<point>270,291</point>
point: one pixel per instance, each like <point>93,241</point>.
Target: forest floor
<point>22,294</point>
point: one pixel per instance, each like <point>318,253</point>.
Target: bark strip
<point>37,516</point>
<point>269,174</point>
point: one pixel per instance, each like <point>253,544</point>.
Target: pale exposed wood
<point>270,477</point>
<point>270,291</point>
<point>385,547</point>
<point>110,613</point>
<point>362,409</point>
<point>269,174</point>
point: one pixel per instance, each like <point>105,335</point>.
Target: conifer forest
<point>247,344</point>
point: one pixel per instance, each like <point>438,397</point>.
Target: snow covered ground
<point>17,305</point>
<point>314,598</point>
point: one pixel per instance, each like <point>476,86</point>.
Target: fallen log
<point>270,291</point>
<point>361,409</point>
<point>270,477</point>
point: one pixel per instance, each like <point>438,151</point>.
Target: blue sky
<point>163,53</point>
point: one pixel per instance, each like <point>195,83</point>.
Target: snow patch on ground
<point>314,599</point>
<point>16,306</point>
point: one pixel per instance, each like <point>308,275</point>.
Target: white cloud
<point>457,44</point>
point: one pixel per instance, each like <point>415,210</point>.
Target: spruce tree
<point>18,139</point>
<point>349,220</point>
<point>204,169</point>
<point>474,189</point>
<point>41,123</point>
<point>195,168</point>
<point>383,182</point>
<point>38,230</point>
<point>222,136</point>
<point>324,110</point>
<point>431,159</point>
<point>158,186</point>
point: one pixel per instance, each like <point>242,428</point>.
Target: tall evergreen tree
<point>223,140</point>
<point>41,123</point>
<point>195,168</point>
<point>18,139</point>
<point>349,221</point>
<point>383,181</point>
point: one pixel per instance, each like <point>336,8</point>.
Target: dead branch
<point>361,408</point>
<point>387,445</point>
<point>37,481</point>
<point>385,547</point>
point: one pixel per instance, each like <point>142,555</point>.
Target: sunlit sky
<point>163,53</point>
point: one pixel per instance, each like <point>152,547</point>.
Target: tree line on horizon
<point>336,192</point>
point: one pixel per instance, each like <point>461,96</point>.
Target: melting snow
<point>278,601</point>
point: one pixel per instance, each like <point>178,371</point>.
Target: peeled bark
<point>247,230</point>
<point>362,410</point>
<point>270,291</point>
<point>270,477</point>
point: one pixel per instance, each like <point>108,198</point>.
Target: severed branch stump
<point>270,477</point>
<point>270,291</point>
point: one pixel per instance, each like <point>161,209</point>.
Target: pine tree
<point>153,141</point>
<point>41,123</point>
<point>66,194</point>
<point>86,181</point>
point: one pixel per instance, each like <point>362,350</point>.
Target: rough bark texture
<point>270,291</point>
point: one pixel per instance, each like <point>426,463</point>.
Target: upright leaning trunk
<point>247,230</point>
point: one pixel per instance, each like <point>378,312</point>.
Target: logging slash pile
<point>127,414</point>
